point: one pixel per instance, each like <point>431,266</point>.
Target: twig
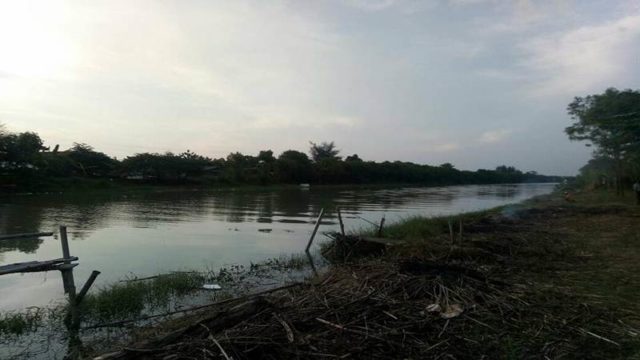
<point>224,353</point>
<point>286,327</point>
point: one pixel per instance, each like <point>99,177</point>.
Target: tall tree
<point>324,151</point>
<point>611,123</point>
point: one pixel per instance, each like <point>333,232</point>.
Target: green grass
<point>131,297</point>
<point>419,227</point>
<point>20,323</point>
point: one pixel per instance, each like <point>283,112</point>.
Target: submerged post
<point>340,220</point>
<point>315,230</point>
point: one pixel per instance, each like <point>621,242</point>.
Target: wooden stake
<point>380,227</point>
<point>340,220</point>
<point>450,231</point>
<point>67,275</point>
<point>87,286</point>
<point>67,279</point>
<point>315,230</point>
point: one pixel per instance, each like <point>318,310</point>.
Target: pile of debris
<point>394,309</point>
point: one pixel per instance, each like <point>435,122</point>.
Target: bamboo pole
<point>315,230</point>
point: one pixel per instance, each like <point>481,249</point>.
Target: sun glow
<point>32,39</point>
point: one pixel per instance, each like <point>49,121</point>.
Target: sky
<point>477,83</point>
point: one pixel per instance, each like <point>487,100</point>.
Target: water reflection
<point>149,233</point>
<point>85,214</point>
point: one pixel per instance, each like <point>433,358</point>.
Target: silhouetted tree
<point>90,162</point>
<point>325,150</point>
<point>293,167</point>
<point>353,157</point>
<point>611,123</point>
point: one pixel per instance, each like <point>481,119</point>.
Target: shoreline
<point>508,265</point>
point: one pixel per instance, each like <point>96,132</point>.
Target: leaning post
<point>315,230</point>
<point>340,220</point>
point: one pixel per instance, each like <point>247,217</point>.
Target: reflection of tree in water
<point>25,245</point>
<point>146,210</point>
<point>294,202</point>
<point>235,206</point>
<point>15,219</point>
<point>500,191</point>
<point>86,213</point>
<point>384,199</point>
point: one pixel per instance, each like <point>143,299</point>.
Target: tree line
<point>25,163</point>
<point>610,124</point>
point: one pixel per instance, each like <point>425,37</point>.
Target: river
<point>155,232</point>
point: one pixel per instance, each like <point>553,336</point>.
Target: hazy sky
<point>477,83</point>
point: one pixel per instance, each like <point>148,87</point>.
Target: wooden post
<point>87,285</point>
<point>67,273</point>
<point>67,278</point>
<point>315,230</point>
<point>340,220</point>
<point>380,227</point>
<point>313,266</point>
<point>450,231</point>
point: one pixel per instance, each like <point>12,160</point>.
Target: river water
<point>144,234</point>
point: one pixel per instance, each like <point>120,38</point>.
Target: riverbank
<point>542,278</point>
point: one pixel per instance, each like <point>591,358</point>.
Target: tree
<point>266,156</point>
<point>353,157</point>
<point>325,150</point>
<point>611,123</point>
<point>293,167</point>
<point>91,162</point>
<point>20,150</point>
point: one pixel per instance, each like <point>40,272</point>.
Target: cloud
<point>494,136</point>
<point>445,147</point>
<point>582,59</point>
<point>372,5</point>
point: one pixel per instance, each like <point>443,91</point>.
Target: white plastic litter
<point>211,287</point>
